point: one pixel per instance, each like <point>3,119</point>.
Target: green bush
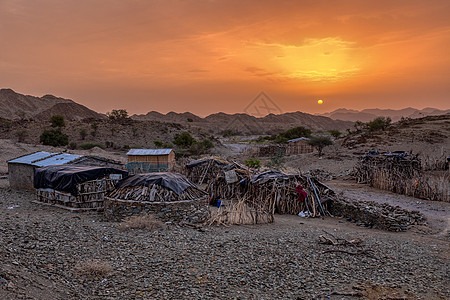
<point>253,163</point>
<point>54,138</point>
<point>73,145</point>
<point>190,120</point>
<point>184,140</point>
<point>57,121</point>
<point>90,145</point>
<point>296,132</point>
<point>380,123</point>
<point>158,144</point>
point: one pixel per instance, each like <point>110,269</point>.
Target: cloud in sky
<point>178,55</point>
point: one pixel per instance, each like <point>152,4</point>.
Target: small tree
<point>21,135</point>
<point>184,140</point>
<point>358,125</point>
<point>253,163</point>
<point>380,123</point>
<point>94,127</point>
<point>320,142</point>
<point>83,133</point>
<point>57,121</point>
<point>117,114</point>
<point>158,144</point>
<point>54,138</point>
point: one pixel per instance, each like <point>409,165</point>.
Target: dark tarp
<point>266,176</point>
<point>202,161</point>
<point>65,178</point>
<point>173,181</point>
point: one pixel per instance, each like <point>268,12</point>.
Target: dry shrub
<point>140,222</point>
<point>93,268</point>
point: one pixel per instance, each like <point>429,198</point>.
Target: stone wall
<point>376,215</point>
<point>187,211</point>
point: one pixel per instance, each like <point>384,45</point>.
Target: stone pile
<point>376,215</point>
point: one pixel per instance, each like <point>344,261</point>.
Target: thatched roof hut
<point>171,196</point>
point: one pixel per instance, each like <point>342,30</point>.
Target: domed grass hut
<point>170,196</point>
<point>75,187</point>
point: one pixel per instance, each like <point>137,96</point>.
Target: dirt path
<point>436,212</point>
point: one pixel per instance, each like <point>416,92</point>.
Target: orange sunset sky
<point>211,56</point>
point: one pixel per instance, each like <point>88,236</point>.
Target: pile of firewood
<point>90,195</point>
<point>155,193</point>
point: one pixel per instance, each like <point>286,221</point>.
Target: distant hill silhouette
<point>366,115</point>
<point>247,124</point>
<point>18,106</point>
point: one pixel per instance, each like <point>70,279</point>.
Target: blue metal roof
<point>60,159</point>
<point>299,139</point>
<point>30,158</point>
<point>43,159</point>
<point>149,151</point>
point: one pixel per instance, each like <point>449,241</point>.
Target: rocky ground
<point>46,251</point>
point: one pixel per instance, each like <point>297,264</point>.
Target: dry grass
<point>140,222</point>
<point>93,268</point>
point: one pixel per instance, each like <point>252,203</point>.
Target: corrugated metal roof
<point>30,158</point>
<point>149,151</point>
<point>60,159</point>
<point>43,159</point>
<point>299,139</point>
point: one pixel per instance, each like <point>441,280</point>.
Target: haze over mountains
<point>367,115</point>
<point>18,106</point>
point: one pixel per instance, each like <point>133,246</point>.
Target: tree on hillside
<point>296,132</point>
<point>380,123</point>
<point>54,138</point>
<point>184,140</point>
<point>57,121</point>
<point>320,142</point>
<point>117,114</point>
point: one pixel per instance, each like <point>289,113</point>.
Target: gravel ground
<point>42,246</point>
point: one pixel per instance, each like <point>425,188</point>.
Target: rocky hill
<point>367,115</point>
<point>18,106</point>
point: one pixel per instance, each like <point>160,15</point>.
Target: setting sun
<point>320,101</point>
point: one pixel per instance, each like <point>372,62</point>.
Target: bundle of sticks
<point>155,193</point>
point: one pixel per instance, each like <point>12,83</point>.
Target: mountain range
<point>367,115</point>
<point>19,106</point>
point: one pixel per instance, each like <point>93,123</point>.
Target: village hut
<point>262,195</point>
<point>150,160</point>
<point>171,196</point>
<point>205,170</point>
<point>75,187</point>
<point>299,146</point>
<point>21,169</point>
<point>401,172</point>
